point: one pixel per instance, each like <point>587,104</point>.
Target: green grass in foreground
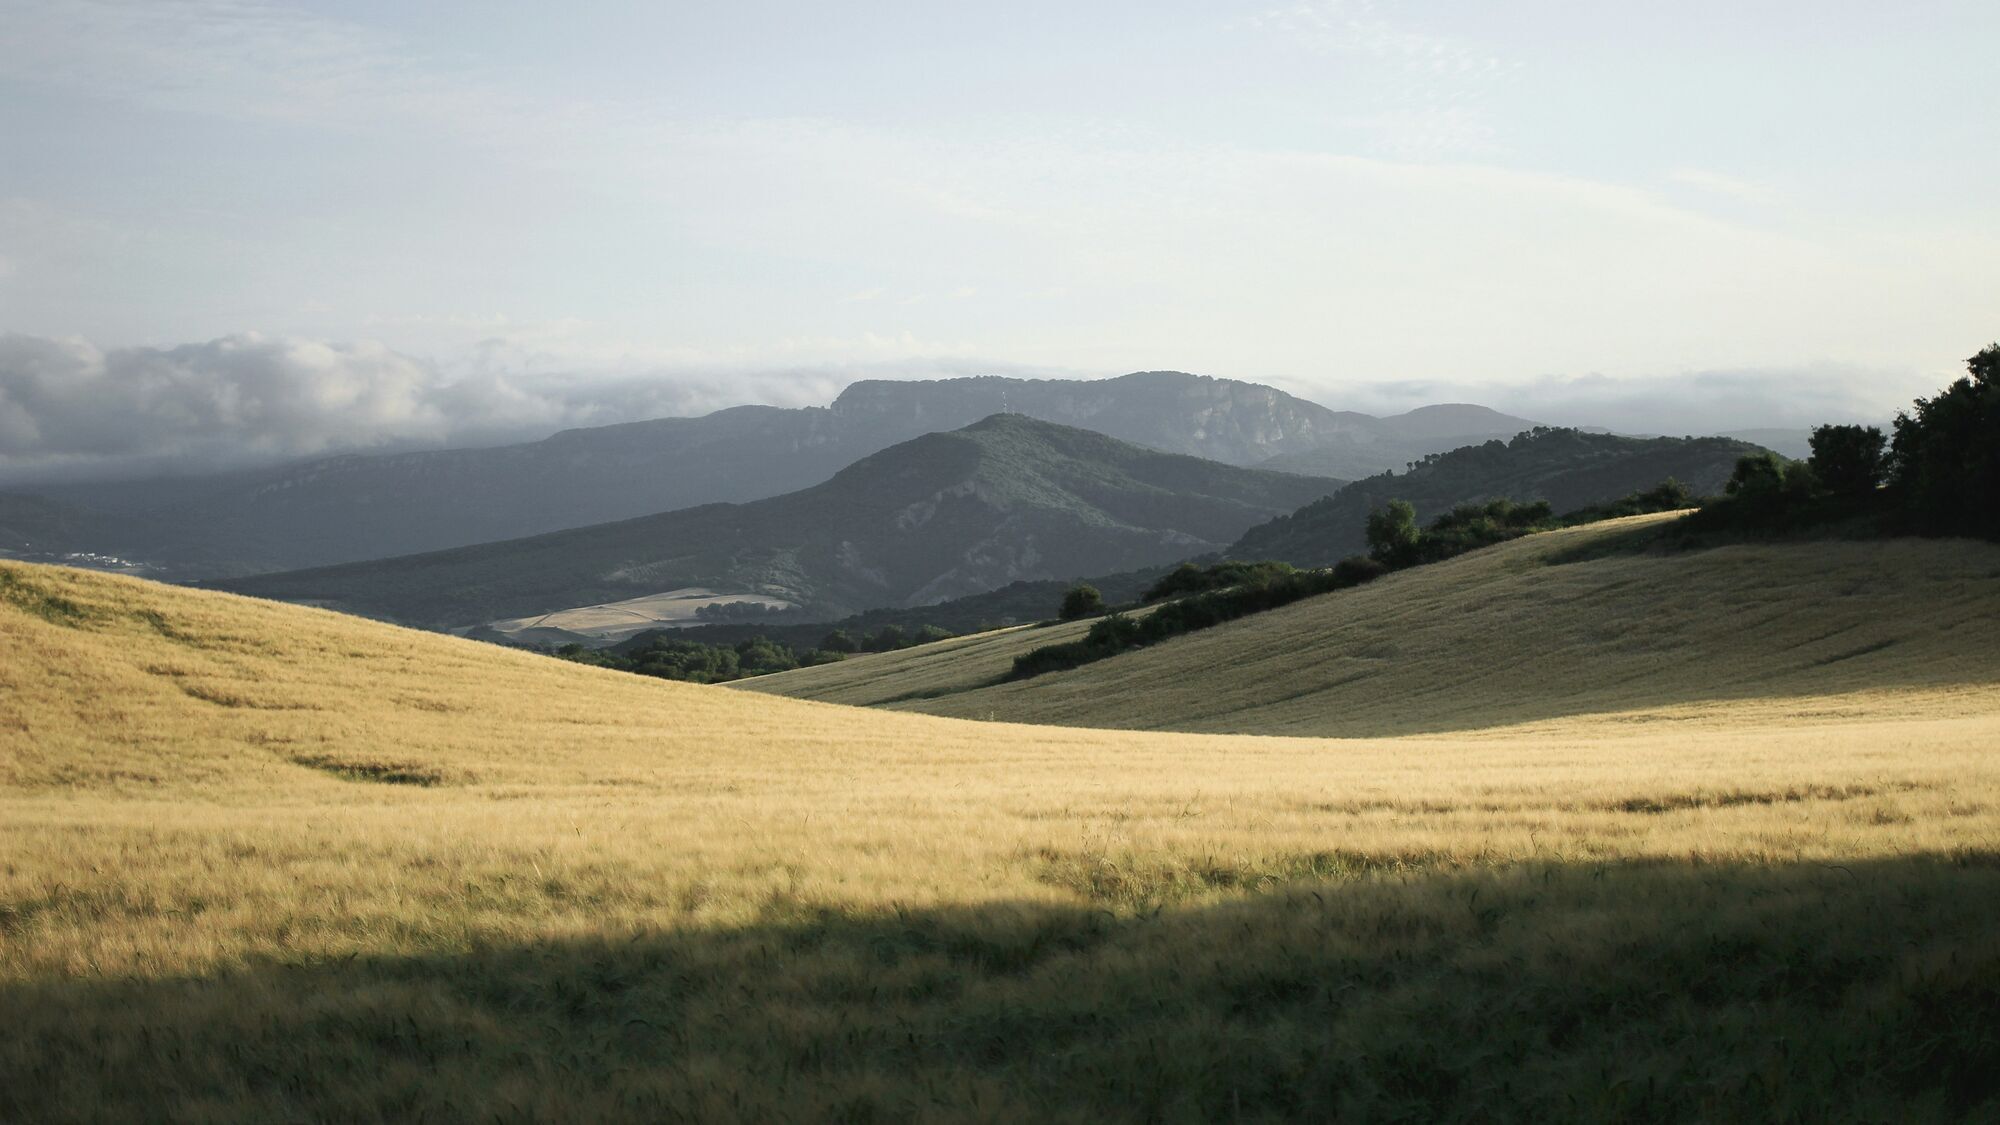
<point>1867,991</point>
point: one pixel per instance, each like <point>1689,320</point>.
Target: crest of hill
<point>137,686</point>
<point>939,516</point>
<point>1511,635</point>
<point>1569,468</point>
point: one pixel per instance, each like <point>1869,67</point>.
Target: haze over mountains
<point>938,516</point>
<point>356,507</point>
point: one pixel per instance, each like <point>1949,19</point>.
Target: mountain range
<point>355,507</point>
<point>935,517</point>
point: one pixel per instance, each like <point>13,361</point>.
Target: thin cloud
<point>1695,402</point>
<point>1716,183</point>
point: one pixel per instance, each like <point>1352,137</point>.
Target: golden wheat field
<point>1506,637</point>
<point>267,863</point>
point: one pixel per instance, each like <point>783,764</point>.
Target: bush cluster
<point>676,658</point>
<point>1669,495</point>
<point>888,638</point>
<point>1188,578</point>
<point>1203,597</point>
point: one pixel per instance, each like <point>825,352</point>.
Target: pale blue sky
<point>1372,203</point>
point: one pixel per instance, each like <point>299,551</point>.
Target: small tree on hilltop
<point>1849,460</point>
<point>1081,600</point>
<point>1393,538</point>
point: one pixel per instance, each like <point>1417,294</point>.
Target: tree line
<point>1937,473</point>
<point>668,657</point>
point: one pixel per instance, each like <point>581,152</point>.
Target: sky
<point>240,229</point>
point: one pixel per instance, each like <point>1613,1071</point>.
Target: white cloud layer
<point>1694,402</point>
<point>69,409</point>
<point>72,410</point>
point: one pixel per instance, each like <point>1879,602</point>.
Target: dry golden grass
<point>1501,638</point>
<point>259,862</point>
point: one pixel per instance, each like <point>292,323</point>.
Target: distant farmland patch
<point>610,622</point>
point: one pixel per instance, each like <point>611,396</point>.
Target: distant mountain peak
<point>1006,498</point>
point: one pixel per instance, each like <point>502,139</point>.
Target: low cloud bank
<point>1700,402</point>
<point>70,410</point>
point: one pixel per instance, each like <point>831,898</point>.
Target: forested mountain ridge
<point>936,517</point>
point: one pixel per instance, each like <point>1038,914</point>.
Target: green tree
<point>1081,600</point>
<point>1945,456</point>
<point>1757,476</point>
<point>759,656</point>
<point>839,641</point>
<point>1393,538</point>
<point>1849,460</point>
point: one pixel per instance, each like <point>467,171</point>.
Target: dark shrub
<point>1081,600</point>
<point>1186,578</point>
<point>1757,476</point>
<point>1115,631</point>
<point>1357,569</point>
<point>1849,460</point>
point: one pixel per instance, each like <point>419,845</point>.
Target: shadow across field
<point>1653,992</point>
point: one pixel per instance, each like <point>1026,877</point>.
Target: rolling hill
<point>265,862</point>
<point>1569,468</point>
<point>355,507</point>
<point>1501,637</point>
<point>940,516</point>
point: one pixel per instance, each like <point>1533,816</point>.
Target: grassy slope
<point>1501,636</point>
<point>259,862</point>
